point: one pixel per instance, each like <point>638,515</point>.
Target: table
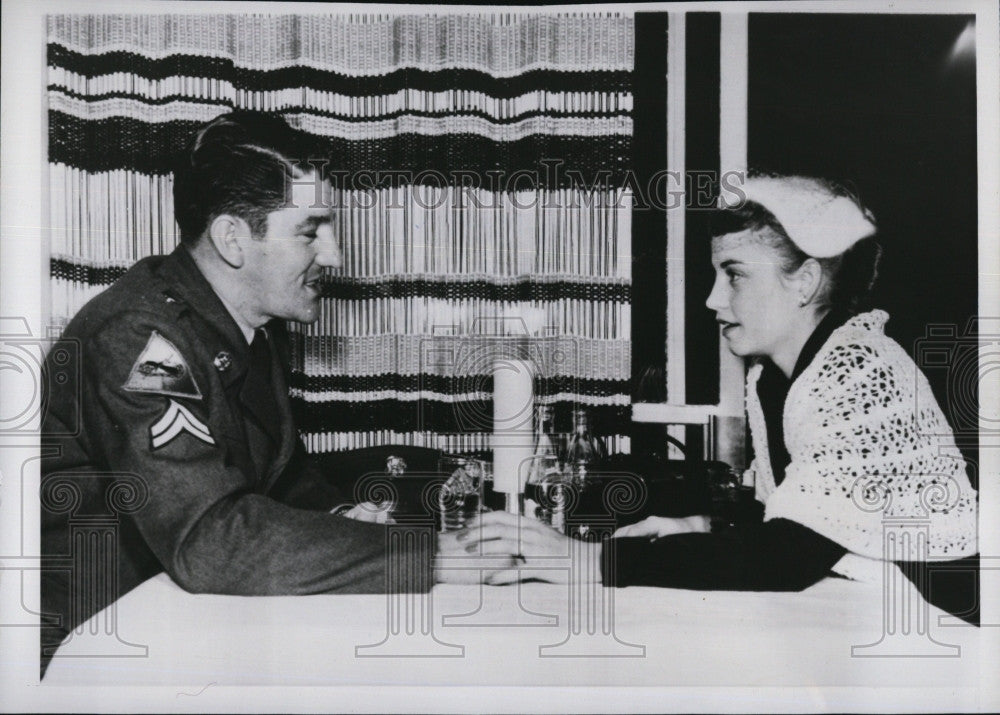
<point>635,636</point>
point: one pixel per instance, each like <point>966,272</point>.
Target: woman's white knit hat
<point>821,223</point>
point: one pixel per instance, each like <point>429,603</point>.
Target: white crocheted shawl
<point>872,457</point>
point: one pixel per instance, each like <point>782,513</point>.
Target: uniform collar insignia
<point>223,361</point>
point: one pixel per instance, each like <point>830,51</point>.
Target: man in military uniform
<point>183,396</point>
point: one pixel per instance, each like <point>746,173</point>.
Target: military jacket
<point>152,435</point>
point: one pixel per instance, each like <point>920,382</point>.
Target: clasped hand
<point>500,548</point>
<point>509,548</point>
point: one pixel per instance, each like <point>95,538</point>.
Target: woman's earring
<point>802,302</point>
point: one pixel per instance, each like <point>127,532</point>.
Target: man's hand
<point>454,563</point>
<point>368,511</point>
<point>534,546</point>
<point>655,527</point>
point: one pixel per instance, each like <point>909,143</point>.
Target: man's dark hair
<point>241,163</point>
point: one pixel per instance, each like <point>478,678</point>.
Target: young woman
<point>846,433</point>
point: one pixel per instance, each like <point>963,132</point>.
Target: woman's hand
<point>534,546</point>
<point>655,527</point>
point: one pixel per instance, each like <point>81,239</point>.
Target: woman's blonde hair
<point>848,278</point>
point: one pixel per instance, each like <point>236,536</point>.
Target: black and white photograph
<point>479,358</point>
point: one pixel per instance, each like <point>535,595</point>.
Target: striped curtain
<point>482,167</point>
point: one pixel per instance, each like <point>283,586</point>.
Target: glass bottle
<point>583,448</point>
<point>545,456</point>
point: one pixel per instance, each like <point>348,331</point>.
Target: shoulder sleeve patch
<point>162,370</point>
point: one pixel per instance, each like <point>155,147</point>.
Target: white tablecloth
<point>632,636</point>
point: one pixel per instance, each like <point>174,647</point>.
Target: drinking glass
<point>461,495</point>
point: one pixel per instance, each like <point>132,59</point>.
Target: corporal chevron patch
<point>162,370</point>
<point>175,420</point>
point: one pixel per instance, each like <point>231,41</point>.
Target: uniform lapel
<point>258,394</point>
<point>279,361</point>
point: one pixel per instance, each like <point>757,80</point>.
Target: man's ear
<point>228,233</point>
